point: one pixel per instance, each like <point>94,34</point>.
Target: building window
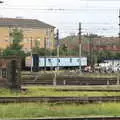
<point>6,40</point>
<point>78,60</point>
<point>4,73</point>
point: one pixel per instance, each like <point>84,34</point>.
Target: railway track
<point>72,81</point>
<point>47,79</point>
<point>75,118</point>
<point>89,90</point>
<point>60,99</point>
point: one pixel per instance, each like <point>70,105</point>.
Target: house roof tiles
<point>26,23</point>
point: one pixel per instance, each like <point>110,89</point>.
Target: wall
<point>29,33</point>
<point>4,37</point>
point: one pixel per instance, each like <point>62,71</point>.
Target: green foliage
<point>63,50</point>
<point>1,52</point>
<point>15,48</point>
<point>104,54</point>
<point>17,36</point>
<point>94,56</point>
<point>36,49</point>
<point>9,51</point>
<point>41,51</point>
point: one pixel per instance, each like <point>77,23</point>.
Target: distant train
<point>40,62</point>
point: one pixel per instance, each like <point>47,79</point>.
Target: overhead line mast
<point>58,48</point>
<point>80,47</point>
<point>119,27</point>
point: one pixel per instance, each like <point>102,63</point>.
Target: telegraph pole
<point>58,48</point>
<point>118,77</point>
<point>119,27</point>
<point>80,47</point>
<point>45,54</point>
<point>31,54</point>
<point>90,49</point>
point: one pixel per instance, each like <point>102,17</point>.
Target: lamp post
<point>119,26</point>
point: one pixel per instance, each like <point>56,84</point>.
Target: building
<point>33,30</point>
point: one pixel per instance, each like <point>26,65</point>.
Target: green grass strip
<point>37,110</point>
<point>51,91</point>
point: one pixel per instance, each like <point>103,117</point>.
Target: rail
<point>75,118</point>
<point>60,99</point>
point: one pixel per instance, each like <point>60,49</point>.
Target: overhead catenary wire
<point>66,10</point>
<point>60,9</point>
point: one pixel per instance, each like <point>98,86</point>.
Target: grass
<point>98,75</point>
<point>51,91</point>
<point>94,87</point>
<point>37,110</point>
<point>42,91</point>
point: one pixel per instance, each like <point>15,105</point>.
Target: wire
<point>93,23</point>
<point>60,9</point>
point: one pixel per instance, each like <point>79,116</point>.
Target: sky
<point>96,16</point>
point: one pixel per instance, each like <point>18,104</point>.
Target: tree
<point>63,50</point>
<point>15,48</point>
<point>40,51</point>
<point>36,48</point>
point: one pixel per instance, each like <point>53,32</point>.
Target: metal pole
<point>45,54</point>
<point>58,49</point>
<point>57,45</point>
<point>31,54</point>
<point>118,77</point>
<point>80,47</point>
<point>91,50</point>
<point>58,52</point>
<point>119,26</point>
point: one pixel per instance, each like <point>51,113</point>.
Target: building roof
<point>26,23</point>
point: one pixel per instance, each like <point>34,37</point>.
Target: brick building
<point>33,30</point>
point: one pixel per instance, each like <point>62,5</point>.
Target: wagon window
<point>49,60</point>
<point>78,60</point>
<point>70,59</point>
<point>58,60</point>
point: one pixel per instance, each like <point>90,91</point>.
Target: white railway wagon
<point>48,62</point>
<point>62,61</point>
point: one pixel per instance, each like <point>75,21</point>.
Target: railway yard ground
<point>68,73</point>
<point>69,78</point>
<point>54,109</point>
<point>37,110</point>
<point>41,101</point>
<point>70,91</point>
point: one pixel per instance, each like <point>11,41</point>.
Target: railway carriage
<point>40,62</point>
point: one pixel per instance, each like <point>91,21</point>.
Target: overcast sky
<point>97,16</point>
